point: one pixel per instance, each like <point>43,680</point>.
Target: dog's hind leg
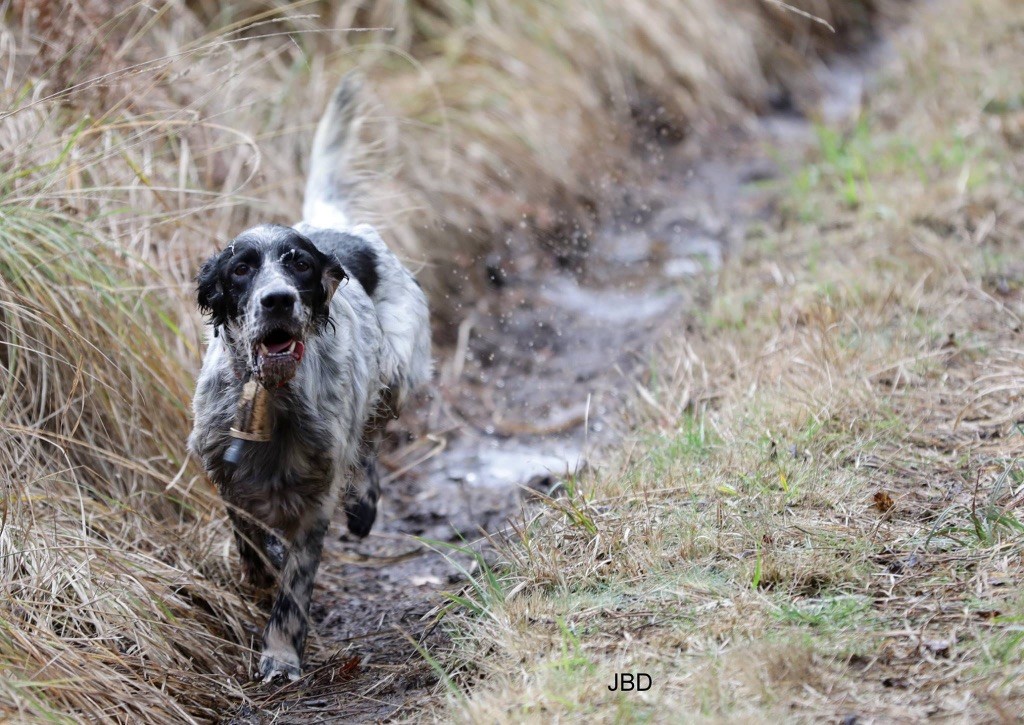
<point>285,634</point>
<point>361,500</point>
<point>361,503</point>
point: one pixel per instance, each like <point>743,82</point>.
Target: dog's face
<point>270,290</point>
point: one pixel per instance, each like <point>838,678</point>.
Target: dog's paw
<point>361,514</point>
<point>275,665</point>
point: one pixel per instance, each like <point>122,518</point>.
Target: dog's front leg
<point>285,634</point>
<point>251,541</point>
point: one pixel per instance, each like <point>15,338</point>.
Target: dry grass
<point>117,599</point>
<point>489,119</point>
<point>829,524</point>
<point>134,137</point>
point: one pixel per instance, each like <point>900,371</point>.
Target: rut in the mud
<point>534,386</point>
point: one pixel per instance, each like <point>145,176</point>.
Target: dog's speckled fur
<point>366,348</point>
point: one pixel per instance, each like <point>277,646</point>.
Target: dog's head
<point>269,291</point>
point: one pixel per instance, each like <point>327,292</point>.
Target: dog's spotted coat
<point>331,299</point>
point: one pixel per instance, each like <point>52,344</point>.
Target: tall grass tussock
<point>135,137</point>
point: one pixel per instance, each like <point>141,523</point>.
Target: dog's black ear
<point>333,275</point>
<point>210,292</point>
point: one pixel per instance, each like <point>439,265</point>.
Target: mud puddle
<point>533,388</point>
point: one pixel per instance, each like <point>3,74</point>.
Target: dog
<point>329,314</point>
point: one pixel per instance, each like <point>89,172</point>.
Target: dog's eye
<point>240,270</point>
<point>301,266</point>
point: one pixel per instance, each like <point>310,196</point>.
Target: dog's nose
<point>280,302</point>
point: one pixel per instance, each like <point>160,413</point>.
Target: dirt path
<point>535,385</point>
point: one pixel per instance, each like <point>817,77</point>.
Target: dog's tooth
<point>264,350</point>
<point>291,348</point>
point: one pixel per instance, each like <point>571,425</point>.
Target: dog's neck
<point>238,355</point>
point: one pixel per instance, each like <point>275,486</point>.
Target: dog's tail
<point>327,187</point>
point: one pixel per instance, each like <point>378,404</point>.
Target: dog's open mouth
<point>277,356</point>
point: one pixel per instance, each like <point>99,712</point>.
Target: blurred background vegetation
<point>137,137</point>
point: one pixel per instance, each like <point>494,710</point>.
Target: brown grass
<point>118,599</point>
<point>134,138</point>
<point>486,119</point>
<point>828,524</point>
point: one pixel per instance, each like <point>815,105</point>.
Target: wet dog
<point>336,329</point>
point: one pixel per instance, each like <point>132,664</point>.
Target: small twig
<point>461,348</point>
<point>440,444</point>
<point>802,13</point>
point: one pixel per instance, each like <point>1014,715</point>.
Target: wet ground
<point>533,388</point>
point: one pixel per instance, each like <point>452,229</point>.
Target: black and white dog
<point>328,308</point>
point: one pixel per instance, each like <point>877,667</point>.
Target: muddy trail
<point>533,388</point>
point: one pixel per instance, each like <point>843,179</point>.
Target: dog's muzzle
<point>279,347</point>
<point>276,357</point>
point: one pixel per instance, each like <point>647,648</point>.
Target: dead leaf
<point>348,668</point>
<point>883,501</point>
